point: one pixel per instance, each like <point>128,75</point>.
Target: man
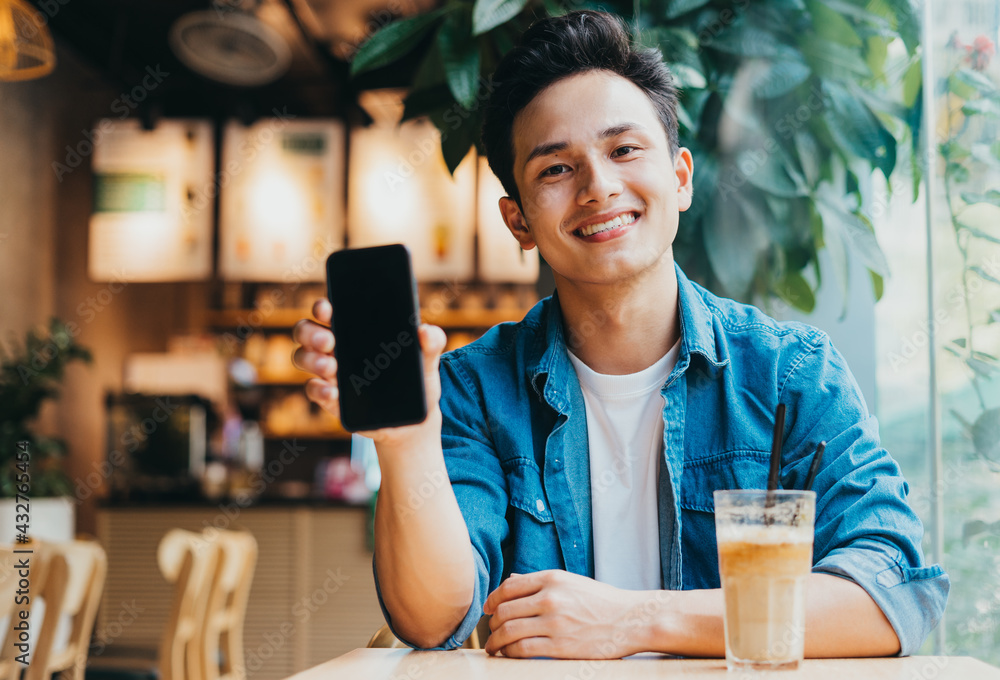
<point>583,444</point>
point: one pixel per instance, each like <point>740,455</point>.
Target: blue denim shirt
<point>515,444</point>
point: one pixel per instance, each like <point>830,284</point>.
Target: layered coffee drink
<point>765,557</point>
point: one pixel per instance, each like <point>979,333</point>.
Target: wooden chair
<point>74,575</point>
<point>222,630</point>
<point>188,560</point>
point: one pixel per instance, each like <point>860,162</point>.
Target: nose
<point>598,182</point>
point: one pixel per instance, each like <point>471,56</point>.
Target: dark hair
<point>559,47</point>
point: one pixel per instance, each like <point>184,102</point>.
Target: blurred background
<point>174,175</point>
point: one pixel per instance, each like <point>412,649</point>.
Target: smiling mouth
<point>619,221</point>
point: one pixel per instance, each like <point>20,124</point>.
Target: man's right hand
<point>316,356</point>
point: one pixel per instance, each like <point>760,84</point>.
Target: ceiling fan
<point>230,45</point>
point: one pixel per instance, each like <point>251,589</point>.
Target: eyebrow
<point>555,147</point>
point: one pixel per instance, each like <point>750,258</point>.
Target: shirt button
<point>540,505</point>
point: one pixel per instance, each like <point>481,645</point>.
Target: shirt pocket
<point>524,480</point>
<point>534,545</point>
<point>729,470</point>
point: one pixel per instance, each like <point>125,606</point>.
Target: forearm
<point>841,621</point>
<point>423,555</point>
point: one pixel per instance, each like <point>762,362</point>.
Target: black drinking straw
<point>814,466</point>
<point>773,474</point>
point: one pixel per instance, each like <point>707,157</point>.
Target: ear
<point>684,170</point>
<point>514,220</point>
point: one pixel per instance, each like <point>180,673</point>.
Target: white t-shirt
<point>625,431</point>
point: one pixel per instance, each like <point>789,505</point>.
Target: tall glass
<point>765,556</point>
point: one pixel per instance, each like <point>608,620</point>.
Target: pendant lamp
<point>26,50</point>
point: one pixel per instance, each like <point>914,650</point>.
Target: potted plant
<point>30,375</point>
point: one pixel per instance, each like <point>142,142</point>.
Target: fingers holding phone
<point>315,355</point>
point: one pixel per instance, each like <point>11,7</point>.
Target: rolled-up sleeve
<point>865,529</point>
<point>480,488</point>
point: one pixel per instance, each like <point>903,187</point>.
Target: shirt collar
<point>548,366</point>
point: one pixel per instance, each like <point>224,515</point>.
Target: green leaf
<point>983,274</point>
<point>981,368</point>
<point>676,8</point>
<point>809,156</point>
<point>986,434</point>
<point>765,171</point>
<point>857,234</point>
<point>907,22</point>
<point>688,76</point>
<point>736,237</point>
<point>912,80</point>
<point>488,14</point>
<point>855,127</point>
<point>981,107</point>
<point>861,12</point>
<point>952,350</point>
<point>956,172</point>
<point>878,285</point>
<point>832,61</point>
<point>795,290</point>
<point>460,55</point>
<point>394,41</point>
<point>979,82</point>
<point>749,41</point>
<point>876,54</point>
<point>978,233</point>
<point>994,316</point>
<point>832,25</point>
<point>961,342</point>
<point>780,78</point>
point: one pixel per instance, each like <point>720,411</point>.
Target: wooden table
<point>462,664</point>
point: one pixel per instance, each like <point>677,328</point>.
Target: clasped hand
<point>563,615</point>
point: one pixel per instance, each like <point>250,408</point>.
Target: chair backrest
<point>74,580</point>
<point>189,561</point>
<point>227,606</point>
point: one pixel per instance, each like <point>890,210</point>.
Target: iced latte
<point>765,556</point>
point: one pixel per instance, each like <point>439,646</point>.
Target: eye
<point>623,151</point>
<point>554,170</point>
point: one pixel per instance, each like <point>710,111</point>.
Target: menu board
<point>151,220</point>
<point>501,259</point>
<point>281,203</point>
<point>400,191</point>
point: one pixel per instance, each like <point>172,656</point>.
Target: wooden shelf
<point>287,318</point>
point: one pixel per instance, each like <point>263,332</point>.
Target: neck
<point>623,327</point>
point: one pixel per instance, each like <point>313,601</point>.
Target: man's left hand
<point>563,615</point>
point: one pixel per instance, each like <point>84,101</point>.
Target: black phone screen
<point>375,321</point>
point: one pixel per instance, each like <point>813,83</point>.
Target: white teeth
<point>627,218</point>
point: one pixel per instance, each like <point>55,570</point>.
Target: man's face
<point>590,155</point>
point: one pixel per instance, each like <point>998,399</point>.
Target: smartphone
<point>376,314</point>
